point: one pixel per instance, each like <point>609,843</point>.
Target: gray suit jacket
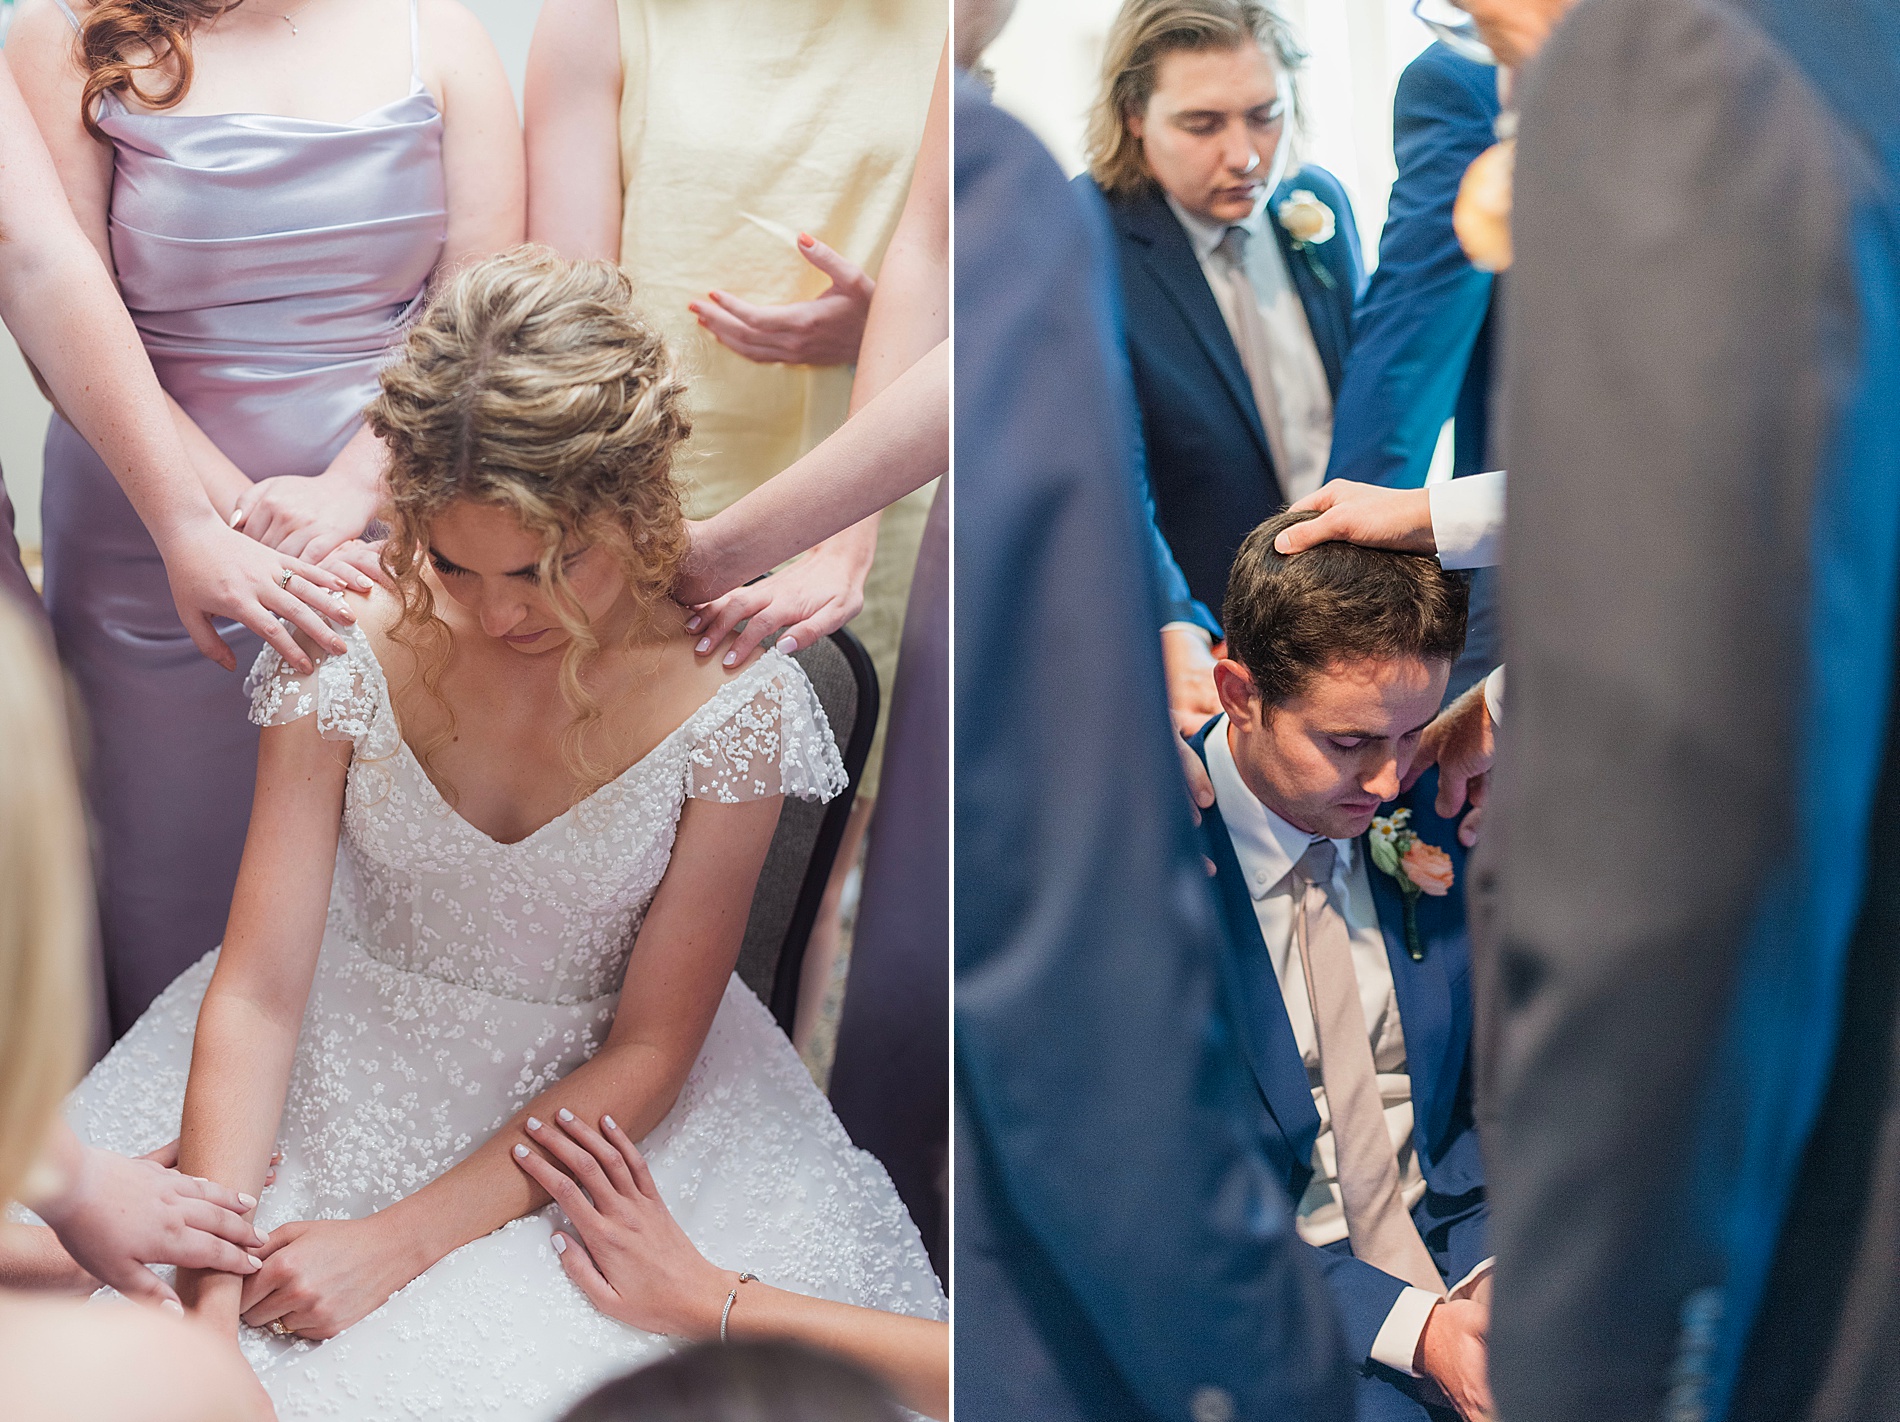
<point>1702,342</point>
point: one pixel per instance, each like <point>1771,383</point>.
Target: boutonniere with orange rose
<point>1309,223</point>
<point>1419,868</point>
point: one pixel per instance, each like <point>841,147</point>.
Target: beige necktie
<point>1254,344</point>
<point>1380,1226</point>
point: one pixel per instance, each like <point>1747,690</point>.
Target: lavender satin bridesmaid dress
<point>269,263</point>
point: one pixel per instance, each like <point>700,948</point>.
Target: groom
<point>1349,958</point>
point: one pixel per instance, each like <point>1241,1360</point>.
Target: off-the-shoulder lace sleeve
<point>773,741</point>
<point>346,693</point>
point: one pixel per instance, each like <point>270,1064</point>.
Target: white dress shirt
<point>1296,372</point>
<point>1268,848</point>
<point>1468,531</point>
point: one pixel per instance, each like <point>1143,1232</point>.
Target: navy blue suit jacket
<point>1421,333</point>
<point>1122,1243</point>
<point>1434,1004</point>
<point>1421,344</point>
<point>1207,457</point>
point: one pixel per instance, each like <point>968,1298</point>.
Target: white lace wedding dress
<point>459,977</point>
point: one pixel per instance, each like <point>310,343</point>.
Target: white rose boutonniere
<point>1306,219</point>
<point>1309,223</point>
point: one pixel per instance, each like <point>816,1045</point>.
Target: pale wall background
<point>22,411</point>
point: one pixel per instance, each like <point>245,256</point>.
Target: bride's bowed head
<point>531,422</point>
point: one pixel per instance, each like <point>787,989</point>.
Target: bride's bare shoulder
<point>377,613</point>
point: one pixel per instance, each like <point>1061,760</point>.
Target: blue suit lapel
<point>1325,307</point>
<point>1265,1028</point>
<point>1425,1003</point>
<point>1169,257</point>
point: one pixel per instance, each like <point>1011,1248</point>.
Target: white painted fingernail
<point>256,1263</point>
<point>788,644</point>
<point>521,1152</point>
<point>565,1114</point>
<point>692,623</point>
<point>731,657</point>
<point>172,1306</point>
<point>262,1238</point>
<point>533,1125</point>
<point>704,644</point>
<point>560,1244</point>
<point>248,1201</point>
<point>608,1122</point>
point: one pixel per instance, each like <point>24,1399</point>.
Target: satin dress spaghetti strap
<point>268,263</point>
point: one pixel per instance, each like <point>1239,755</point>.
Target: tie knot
<point>1234,244</point>
<point>1316,865</point>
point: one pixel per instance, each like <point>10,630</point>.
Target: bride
<point>499,864</point>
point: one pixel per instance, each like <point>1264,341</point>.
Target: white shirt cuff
<point>1466,1286</point>
<point>1397,1343</point>
<point>1468,520</point>
<point>1194,627</point>
<point>1494,696</point>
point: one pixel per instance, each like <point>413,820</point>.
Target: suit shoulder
<point>1441,84</point>
<point>1324,186</point>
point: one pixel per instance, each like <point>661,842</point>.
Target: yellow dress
<point>806,114</point>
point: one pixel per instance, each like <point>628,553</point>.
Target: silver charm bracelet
<point>731,1298</point>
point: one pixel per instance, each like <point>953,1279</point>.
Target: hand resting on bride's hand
<point>118,1215</point>
<point>637,1265</point>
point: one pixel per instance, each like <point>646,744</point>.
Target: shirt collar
<point>1266,845</point>
<point>1205,236</point>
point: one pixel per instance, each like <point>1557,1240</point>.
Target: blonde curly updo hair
<point>531,383</point>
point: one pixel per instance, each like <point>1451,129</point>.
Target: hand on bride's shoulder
<point>160,1369</point>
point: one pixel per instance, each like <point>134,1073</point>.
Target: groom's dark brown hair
<point>1291,616</point>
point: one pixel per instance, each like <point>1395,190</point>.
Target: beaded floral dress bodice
<point>550,918</point>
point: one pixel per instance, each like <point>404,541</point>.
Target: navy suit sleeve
<point>1415,326</point>
<point>1106,1108</point>
<point>1364,1295</point>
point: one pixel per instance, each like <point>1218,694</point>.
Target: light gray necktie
<point>1254,344</point>
<point>1381,1228</point>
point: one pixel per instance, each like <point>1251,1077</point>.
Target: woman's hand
<point>321,1276</point>
<point>118,1215</point>
<point>638,1265</point>
<point>308,518</point>
<point>359,564</point>
<point>823,331</point>
<point>215,572</point>
<point>812,598</point>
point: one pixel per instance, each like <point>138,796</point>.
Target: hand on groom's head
<point>1366,514</point>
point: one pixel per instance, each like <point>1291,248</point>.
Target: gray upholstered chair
<point>798,865</point>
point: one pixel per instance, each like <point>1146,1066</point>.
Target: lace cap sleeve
<point>346,693</point>
<point>774,741</point>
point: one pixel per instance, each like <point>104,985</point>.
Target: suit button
<point>1211,1404</point>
